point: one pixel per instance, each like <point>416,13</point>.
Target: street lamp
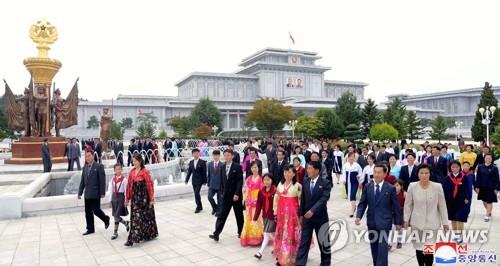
<point>215,128</point>
<point>292,124</point>
<point>487,115</point>
<point>458,124</point>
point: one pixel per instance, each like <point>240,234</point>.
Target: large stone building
<point>291,76</point>
<point>461,105</point>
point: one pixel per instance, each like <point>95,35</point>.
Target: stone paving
<point>57,240</point>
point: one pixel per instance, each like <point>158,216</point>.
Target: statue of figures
<point>41,111</point>
<point>106,120</point>
<point>16,110</point>
<point>65,110</point>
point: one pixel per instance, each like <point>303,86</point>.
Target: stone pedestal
<point>28,150</point>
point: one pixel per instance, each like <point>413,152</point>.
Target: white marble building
<point>461,105</point>
<point>291,76</point>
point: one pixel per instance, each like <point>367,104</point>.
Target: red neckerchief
<point>117,181</point>
<point>456,181</point>
<point>268,194</point>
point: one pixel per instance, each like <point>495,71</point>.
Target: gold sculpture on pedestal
<point>37,111</point>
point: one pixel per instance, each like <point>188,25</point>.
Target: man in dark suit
<point>98,152</point>
<point>383,210</point>
<point>118,150</point>
<point>382,155</point>
<point>198,169</point>
<point>46,158</point>
<point>167,150</point>
<point>132,149</point>
<point>408,172</point>
<point>232,195</point>
<point>271,154</point>
<point>277,167</point>
<point>480,157</point>
<point>74,154</point>
<point>236,155</point>
<point>314,214</point>
<point>252,153</point>
<point>306,152</point>
<point>324,147</point>
<point>214,181</point>
<point>327,163</point>
<point>363,158</point>
<point>438,165</point>
<point>93,182</point>
<point>66,153</point>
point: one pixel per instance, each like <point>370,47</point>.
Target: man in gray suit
<point>214,181</point>
<point>46,159</point>
<point>74,155</point>
<point>94,183</point>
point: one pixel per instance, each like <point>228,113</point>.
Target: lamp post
<point>292,124</point>
<point>458,124</point>
<point>487,116</point>
<point>214,129</point>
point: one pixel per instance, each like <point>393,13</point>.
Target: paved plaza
<point>57,240</point>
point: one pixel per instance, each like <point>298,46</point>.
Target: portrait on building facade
<point>295,82</point>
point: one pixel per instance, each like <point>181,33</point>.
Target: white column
<point>238,115</point>
<point>227,119</point>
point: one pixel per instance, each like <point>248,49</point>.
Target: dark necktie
<point>216,167</point>
<point>312,187</point>
<point>377,191</point>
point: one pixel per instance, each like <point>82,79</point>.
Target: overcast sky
<point>145,47</point>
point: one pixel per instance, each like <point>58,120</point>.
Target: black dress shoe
<point>128,244</point>
<point>197,210</point>
<point>87,233</point>
<point>213,212</point>
<point>214,237</point>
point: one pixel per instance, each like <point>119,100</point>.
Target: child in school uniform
<point>265,202</point>
<point>116,189</point>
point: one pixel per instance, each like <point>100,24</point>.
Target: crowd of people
<point>279,189</point>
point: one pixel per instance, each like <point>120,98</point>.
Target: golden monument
<point>37,112</point>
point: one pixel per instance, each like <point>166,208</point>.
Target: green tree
<point>487,99</point>
<point>414,125</point>
<point>163,134</point>
<point>352,132</point>
<point>127,122</point>
<point>93,122</point>
<point>269,115</point>
<point>395,115</point>
<point>369,116</point>
<point>147,117</point>
<point>348,109</point>
<point>206,112</point>
<point>383,132</point>
<point>309,126</point>
<point>439,127</point>
<point>495,137</point>
<point>182,125</point>
<point>202,132</point>
<point>333,127</point>
<point>116,131</point>
<point>5,131</point>
<point>146,130</point>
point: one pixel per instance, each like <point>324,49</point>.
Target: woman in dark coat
<point>456,189</point>
<point>487,184</point>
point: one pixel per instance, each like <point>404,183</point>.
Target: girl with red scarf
<point>457,189</point>
<point>117,189</point>
<point>265,203</point>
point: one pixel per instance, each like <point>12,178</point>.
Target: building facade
<point>461,105</point>
<point>291,76</point>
